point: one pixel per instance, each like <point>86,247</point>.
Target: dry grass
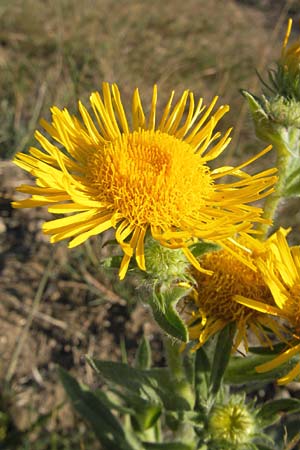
<point>54,52</point>
<point>58,51</point>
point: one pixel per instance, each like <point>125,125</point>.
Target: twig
<point>112,296</point>
<point>38,315</point>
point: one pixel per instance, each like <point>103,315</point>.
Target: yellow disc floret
<point>151,177</point>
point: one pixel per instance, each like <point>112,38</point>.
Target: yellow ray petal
<point>52,225</point>
<point>291,375</point>
<point>279,360</point>
<point>96,230</point>
<point>258,306</point>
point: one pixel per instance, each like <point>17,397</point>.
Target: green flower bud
<point>164,264</point>
<point>232,426</point>
<point>265,128</point>
<point>283,112</point>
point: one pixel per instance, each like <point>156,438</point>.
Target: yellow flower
<point>151,176</point>
<point>290,56</point>
<point>235,275</point>
<point>281,272</point>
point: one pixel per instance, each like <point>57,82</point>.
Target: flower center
<point>150,177</point>
<point>231,277</point>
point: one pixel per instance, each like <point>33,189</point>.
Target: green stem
<point>177,371</point>
<point>181,386</point>
<point>272,201</point>
<point>174,358</point>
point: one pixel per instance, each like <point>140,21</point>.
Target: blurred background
<point>56,304</point>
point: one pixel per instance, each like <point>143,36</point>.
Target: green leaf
<point>106,427</point>
<point>264,447</point>
<point>195,418</point>
<point>125,376</point>
<point>202,376</point>
<point>168,446</point>
<point>114,401</point>
<point>221,356</point>
<point>242,370</point>
<point>276,348</point>
<point>272,408</point>
<point>163,306</point>
<point>146,418</point>
<point>144,412</point>
<point>167,390</point>
<point>137,381</point>
<point>143,354</point>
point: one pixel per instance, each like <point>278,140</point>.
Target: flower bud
<point>164,264</point>
<point>232,426</point>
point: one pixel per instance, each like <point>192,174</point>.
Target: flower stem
<point>273,201</point>
<point>177,371</point>
<point>182,388</point>
<point>174,358</point>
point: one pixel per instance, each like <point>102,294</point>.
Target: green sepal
<point>221,356</point>
<point>106,427</point>
<point>201,247</point>
<point>163,305</point>
<point>270,411</point>
<point>168,446</point>
<point>143,358</point>
<point>263,125</point>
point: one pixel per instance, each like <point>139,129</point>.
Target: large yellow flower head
<point>281,272</point>
<point>235,275</point>
<point>147,176</point>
